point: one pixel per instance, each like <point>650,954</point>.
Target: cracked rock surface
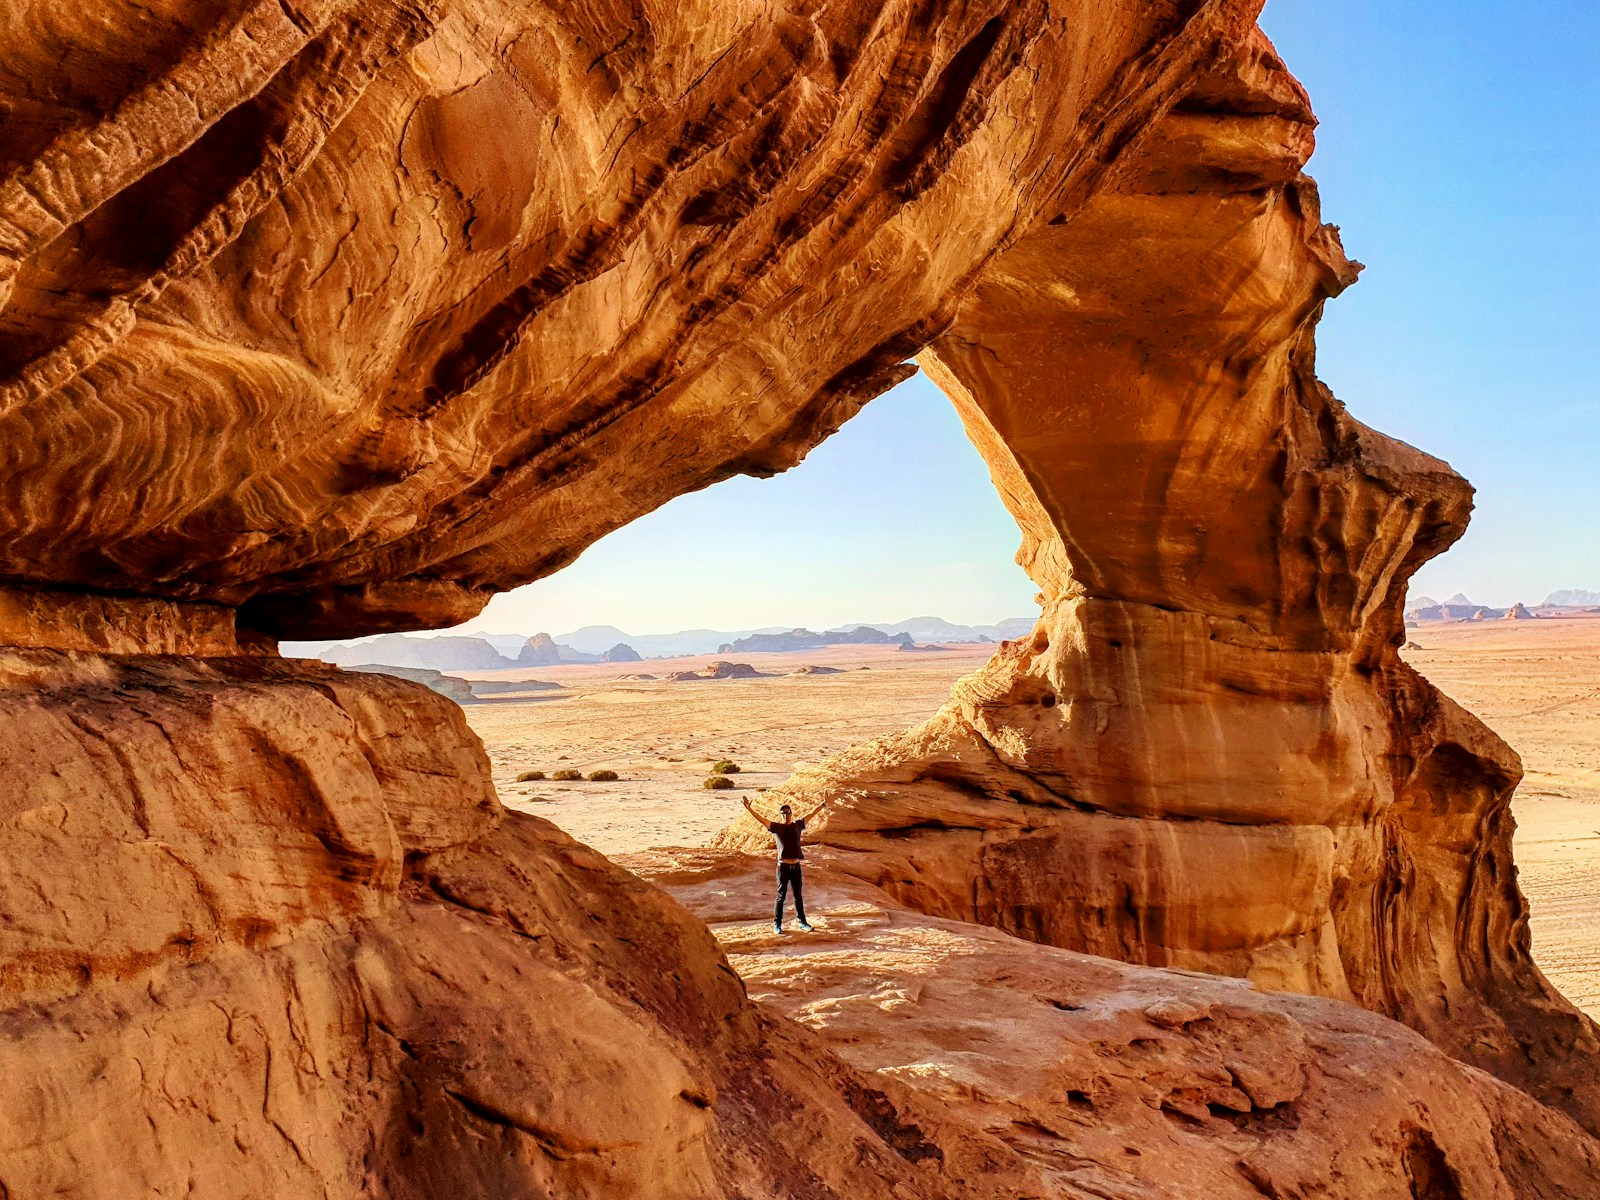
<point>322,318</point>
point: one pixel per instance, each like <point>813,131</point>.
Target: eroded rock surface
<point>268,933</point>
<point>1117,1080</point>
<point>325,319</point>
<point>1209,754</point>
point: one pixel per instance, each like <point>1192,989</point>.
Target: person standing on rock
<point>788,830</point>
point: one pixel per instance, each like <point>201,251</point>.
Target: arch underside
<point>290,346</point>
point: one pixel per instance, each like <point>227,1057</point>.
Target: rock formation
<point>805,639</point>
<point>1209,753</point>
<point>1518,612</point>
<point>541,651</point>
<point>325,319</point>
<point>621,652</point>
<point>1118,1080</point>
<point>715,670</point>
<point>449,686</point>
<point>429,654</point>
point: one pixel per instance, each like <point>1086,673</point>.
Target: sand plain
<point>1537,683</point>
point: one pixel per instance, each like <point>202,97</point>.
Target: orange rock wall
<point>323,318</point>
<point>353,314</point>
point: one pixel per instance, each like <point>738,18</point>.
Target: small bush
<point>602,776</point>
<point>718,783</point>
<point>567,775</point>
<point>725,768</point>
<point>530,776</point>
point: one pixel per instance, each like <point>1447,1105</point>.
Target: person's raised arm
<point>751,809</point>
<point>820,805</point>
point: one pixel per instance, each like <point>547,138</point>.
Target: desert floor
<point>1536,683</point>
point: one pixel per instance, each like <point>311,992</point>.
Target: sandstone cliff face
<point>326,319</point>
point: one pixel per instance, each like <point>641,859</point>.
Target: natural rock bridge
<point>325,319</point>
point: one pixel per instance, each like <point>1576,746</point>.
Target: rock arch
<point>1209,754</point>
<point>290,345</point>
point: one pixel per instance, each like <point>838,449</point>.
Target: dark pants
<point>789,876</point>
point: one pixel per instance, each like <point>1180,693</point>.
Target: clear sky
<point>1457,152</point>
<point>892,517</point>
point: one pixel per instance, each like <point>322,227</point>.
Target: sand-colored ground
<point>663,737</point>
<point>1537,683</point>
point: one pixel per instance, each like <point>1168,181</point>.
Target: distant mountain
<point>1451,611</point>
<point>593,639</point>
<point>481,650</point>
<point>1572,598</point>
<point>804,639</point>
<point>542,650</point>
<point>445,653</point>
<point>597,639</point>
<point>508,644</point>
<point>937,629</point>
<point>1459,600</point>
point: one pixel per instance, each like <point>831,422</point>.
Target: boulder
<point>715,670</point>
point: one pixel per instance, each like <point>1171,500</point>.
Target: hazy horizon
<point>1456,157</point>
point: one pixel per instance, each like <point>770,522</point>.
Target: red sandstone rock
<point>266,932</point>
<point>325,319</point>
<point>1209,753</point>
<point>1121,1080</point>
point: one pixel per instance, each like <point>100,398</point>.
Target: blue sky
<point>1458,155</point>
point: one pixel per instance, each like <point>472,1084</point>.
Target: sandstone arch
<point>1209,754</point>
<point>288,346</point>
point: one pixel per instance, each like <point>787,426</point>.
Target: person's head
<point>786,813</point>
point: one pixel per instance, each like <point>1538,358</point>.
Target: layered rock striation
<point>351,314</point>
<point>325,319</point>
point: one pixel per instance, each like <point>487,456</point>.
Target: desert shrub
<point>604,776</point>
<point>530,776</point>
<point>725,768</point>
<point>718,783</point>
<point>567,774</point>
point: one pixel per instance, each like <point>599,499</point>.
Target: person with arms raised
<point>787,830</point>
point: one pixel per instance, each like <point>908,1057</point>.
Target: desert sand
<point>1537,683</point>
<point>663,737</point>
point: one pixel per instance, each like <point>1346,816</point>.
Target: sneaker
<point>777,928</point>
<point>805,926</point>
